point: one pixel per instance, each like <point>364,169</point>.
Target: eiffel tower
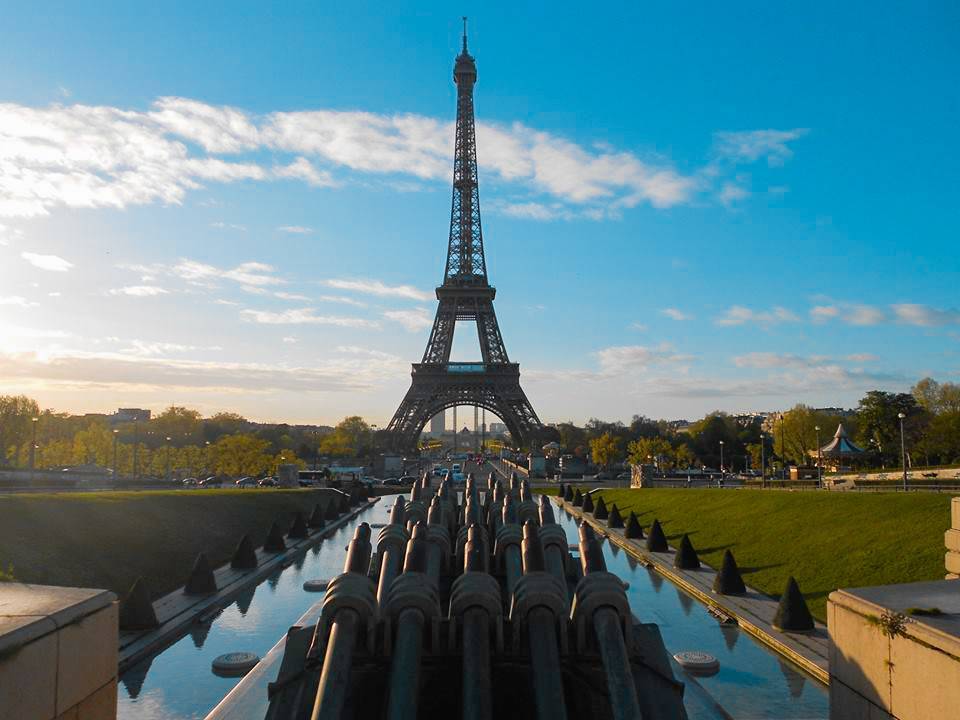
<point>466,294</point>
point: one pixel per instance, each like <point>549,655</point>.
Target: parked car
<point>267,482</point>
<point>369,481</point>
<point>392,482</point>
<point>190,482</point>
<point>211,482</point>
<point>246,482</point>
<point>458,477</point>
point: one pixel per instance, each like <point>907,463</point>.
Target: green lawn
<point>825,540</point>
<point>108,539</point>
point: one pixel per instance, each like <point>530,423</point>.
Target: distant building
<point>496,428</point>
<point>438,423</point>
<point>131,415</point>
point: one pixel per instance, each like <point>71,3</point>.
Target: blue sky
<point>685,207</point>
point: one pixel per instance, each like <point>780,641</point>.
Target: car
<point>190,482</point>
<point>211,482</point>
<point>390,482</point>
<point>456,467</point>
<point>246,482</point>
<point>444,473</point>
<point>267,482</point>
<point>437,471</point>
<point>458,477</point>
<point>369,481</point>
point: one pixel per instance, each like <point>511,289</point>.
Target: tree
<point>241,454</point>
<point>16,414</point>
<point>177,423</point>
<point>936,397</point>
<point>642,450</point>
<point>351,437</point>
<point>605,449</point>
<point>879,426</point>
<point>795,433</point>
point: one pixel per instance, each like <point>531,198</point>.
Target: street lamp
<point>206,455</point>
<point>115,433</point>
<point>721,458</point>
<point>136,443</point>
<point>33,448</point>
<point>763,460</point>
<point>783,448</point>
<point>903,452</point>
<point>819,459</point>
<point>168,458</point>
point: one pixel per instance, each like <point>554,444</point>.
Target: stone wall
<point>58,653</point>
<point>952,541</point>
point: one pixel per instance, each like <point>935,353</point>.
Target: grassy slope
<point>825,540</point>
<point>108,539</point>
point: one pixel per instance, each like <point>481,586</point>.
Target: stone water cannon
<point>494,509</point>
<point>603,623</point>
<point>508,559</point>
<point>476,615</point>
<point>349,616</point>
<point>438,535</point>
<point>538,613</point>
<point>527,508</point>
<point>412,609</point>
<point>472,513</point>
<point>391,546</point>
<point>449,497</point>
<point>416,509</point>
<point>554,541</point>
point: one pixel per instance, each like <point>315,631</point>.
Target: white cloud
<point>924,315</point>
<point>295,229</point>
<point>139,291</point>
<point>228,226</point>
<point>823,313</point>
<point>255,274</point>
<point>376,287</point>
<point>290,296</point>
<point>731,193</point>
<point>862,357</point>
<point>848,313</point>
<point>53,263</point>
<point>342,300</point>
<point>412,320</point>
<point>778,360</point>
<point>303,169</point>
<point>740,315</point>
<point>620,359</point>
<point>17,300</point>
<point>675,314</point>
<point>304,316</point>
<point>752,145</point>
<point>290,340</point>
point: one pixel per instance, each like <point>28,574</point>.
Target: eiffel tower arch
<point>465,295</point>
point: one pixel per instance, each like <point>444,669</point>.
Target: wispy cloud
<point>295,229</point>
<point>17,301</point>
<point>303,169</point>
<point>54,263</point>
<point>862,357</point>
<point>411,320</point>
<point>139,291</point>
<point>254,274</point>
<point>290,296</point>
<point>676,314</point>
<point>618,359</point>
<point>778,360</point>
<point>731,193</point>
<point>304,316</point>
<point>376,287</point>
<point>740,315</point>
<point>752,145</point>
<point>228,226</point>
<point>924,315</point>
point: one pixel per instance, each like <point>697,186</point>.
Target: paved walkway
<point>753,611</point>
<point>176,612</point>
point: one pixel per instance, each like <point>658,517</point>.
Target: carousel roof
<point>840,445</point>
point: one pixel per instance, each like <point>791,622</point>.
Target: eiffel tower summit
<point>465,295</point>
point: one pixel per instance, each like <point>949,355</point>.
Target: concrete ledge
<point>753,611</point>
<point>176,611</point>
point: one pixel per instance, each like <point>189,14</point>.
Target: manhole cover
<point>236,663</point>
<point>697,662</point>
<point>316,585</point>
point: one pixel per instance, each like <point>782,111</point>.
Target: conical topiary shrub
<point>274,542</point>
<point>601,512</point>
<point>614,520</point>
<point>561,490</point>
<point>633,531</point>
<point>316,517</point>
<point>333,508</point>
<point>136,610</point>
<point>588,503</point>
<point>656,540</point>
<point>793,615</point>
<point>201,580</point>
<point>578,498</point>
<point>686,557</point>
<point>245,556</point>
<point>298,530</point>
<point>728,580</point>
<point>568,494</point>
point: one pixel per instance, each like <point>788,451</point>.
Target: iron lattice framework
<point>465,295</point>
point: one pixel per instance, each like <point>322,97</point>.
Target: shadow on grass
<point>757,568</point>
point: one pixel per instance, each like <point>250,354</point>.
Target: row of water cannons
<point>136,610</point>
<point>792,615</point>
<point>477,582</point>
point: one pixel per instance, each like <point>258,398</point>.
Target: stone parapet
<point>895,652</point>
<point>952,542</point>
<point>58,652</point>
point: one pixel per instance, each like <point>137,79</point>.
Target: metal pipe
<point>477,681</point>
<point>389,569</point>
<point>545,662</point>
<point>405,668</point>
<point>616,664</point>
<point>335,679</point>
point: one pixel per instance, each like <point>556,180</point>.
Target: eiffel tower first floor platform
<point>438,386</point>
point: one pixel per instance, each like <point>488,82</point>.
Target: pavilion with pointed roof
<point>838,448</point>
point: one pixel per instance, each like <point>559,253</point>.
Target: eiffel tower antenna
<point>465,295</point>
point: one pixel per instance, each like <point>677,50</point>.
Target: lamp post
<point>721,458</point>
<point>763,460</point>
<point>168,458</point>
<point>206,455</point>
<point>33,447</point>
<point>903,451</point>
<point>783,448</point>
<point>819,459</point>
<point>136,443</point>
<point>115,434</point>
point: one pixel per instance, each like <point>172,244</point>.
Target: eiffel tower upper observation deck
<point>466,294</point>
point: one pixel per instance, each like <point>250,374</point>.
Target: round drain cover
<point>236,663</point>
<point>697,662</point>
<point>316,585</point>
